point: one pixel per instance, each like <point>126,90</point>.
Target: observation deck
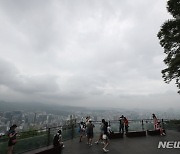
<point>37,141</point>
<point>136,145</point>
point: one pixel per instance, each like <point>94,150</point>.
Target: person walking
<point>12,138</point>
<point>101,131</point>
<point>105,137</point>
<point>126,124</point>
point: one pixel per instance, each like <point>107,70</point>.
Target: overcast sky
<point>84,52</point>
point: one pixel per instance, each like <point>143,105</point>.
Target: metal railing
<point>36,139</point>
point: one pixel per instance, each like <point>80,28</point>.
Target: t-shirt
<point>121,121</point>
<point>126,122</point>
<point>105,128</point>
<point>12,132</point>
<point>57,139</point>
<point>102,127</point>
<point>90,127</point>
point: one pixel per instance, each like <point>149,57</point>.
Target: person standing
<point>90,134</point>
<point>157,125</point>
<point>121,124</point>
<point>155,120</point>
<point>126,124</point>
<point>12,138</point>
<point>82,130</point>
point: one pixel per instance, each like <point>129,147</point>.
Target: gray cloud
<point>12,79</point>
<point>83,52</point>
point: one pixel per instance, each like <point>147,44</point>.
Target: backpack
<point>81,127</point>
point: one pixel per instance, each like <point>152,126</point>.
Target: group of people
<point>124,123</point>
<point>86,130</point>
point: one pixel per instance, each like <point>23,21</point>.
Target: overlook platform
<point>137,145</point>
<point>40,141</point>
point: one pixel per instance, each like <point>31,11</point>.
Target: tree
<point>169,36</point>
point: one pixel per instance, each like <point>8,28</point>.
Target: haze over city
<point>84,53</point>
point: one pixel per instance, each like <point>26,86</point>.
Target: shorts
<point>104,137</point>
<point>82,132</point>
<point>90,135</point>
<point>11,143</point>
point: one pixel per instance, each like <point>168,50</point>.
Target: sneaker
<point>96,142</point>
<point>63,146</point>
<point>164,134</point>
<point>105,150</point>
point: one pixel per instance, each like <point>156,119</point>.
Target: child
<point>158,127</point>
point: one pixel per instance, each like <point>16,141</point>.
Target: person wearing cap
<point>12,138</point>
<point>90,126</point>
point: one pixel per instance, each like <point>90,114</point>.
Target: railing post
<point>48,136</point>
<point>72,131</point>
<point>162,124</point>
<point>72,127</point>
<point>142,125</point>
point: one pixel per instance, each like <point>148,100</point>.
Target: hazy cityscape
<point>29,119</point>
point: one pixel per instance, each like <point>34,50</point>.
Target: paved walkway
<point>137,145</point>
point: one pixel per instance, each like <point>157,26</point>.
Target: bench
<point>46,150</point>
<point>136,134</point>
<point>115,135</point>
<point>154,132</point>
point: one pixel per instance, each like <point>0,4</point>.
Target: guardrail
<point>36,139</point>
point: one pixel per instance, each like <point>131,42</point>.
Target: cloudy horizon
<point>84,53</point>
